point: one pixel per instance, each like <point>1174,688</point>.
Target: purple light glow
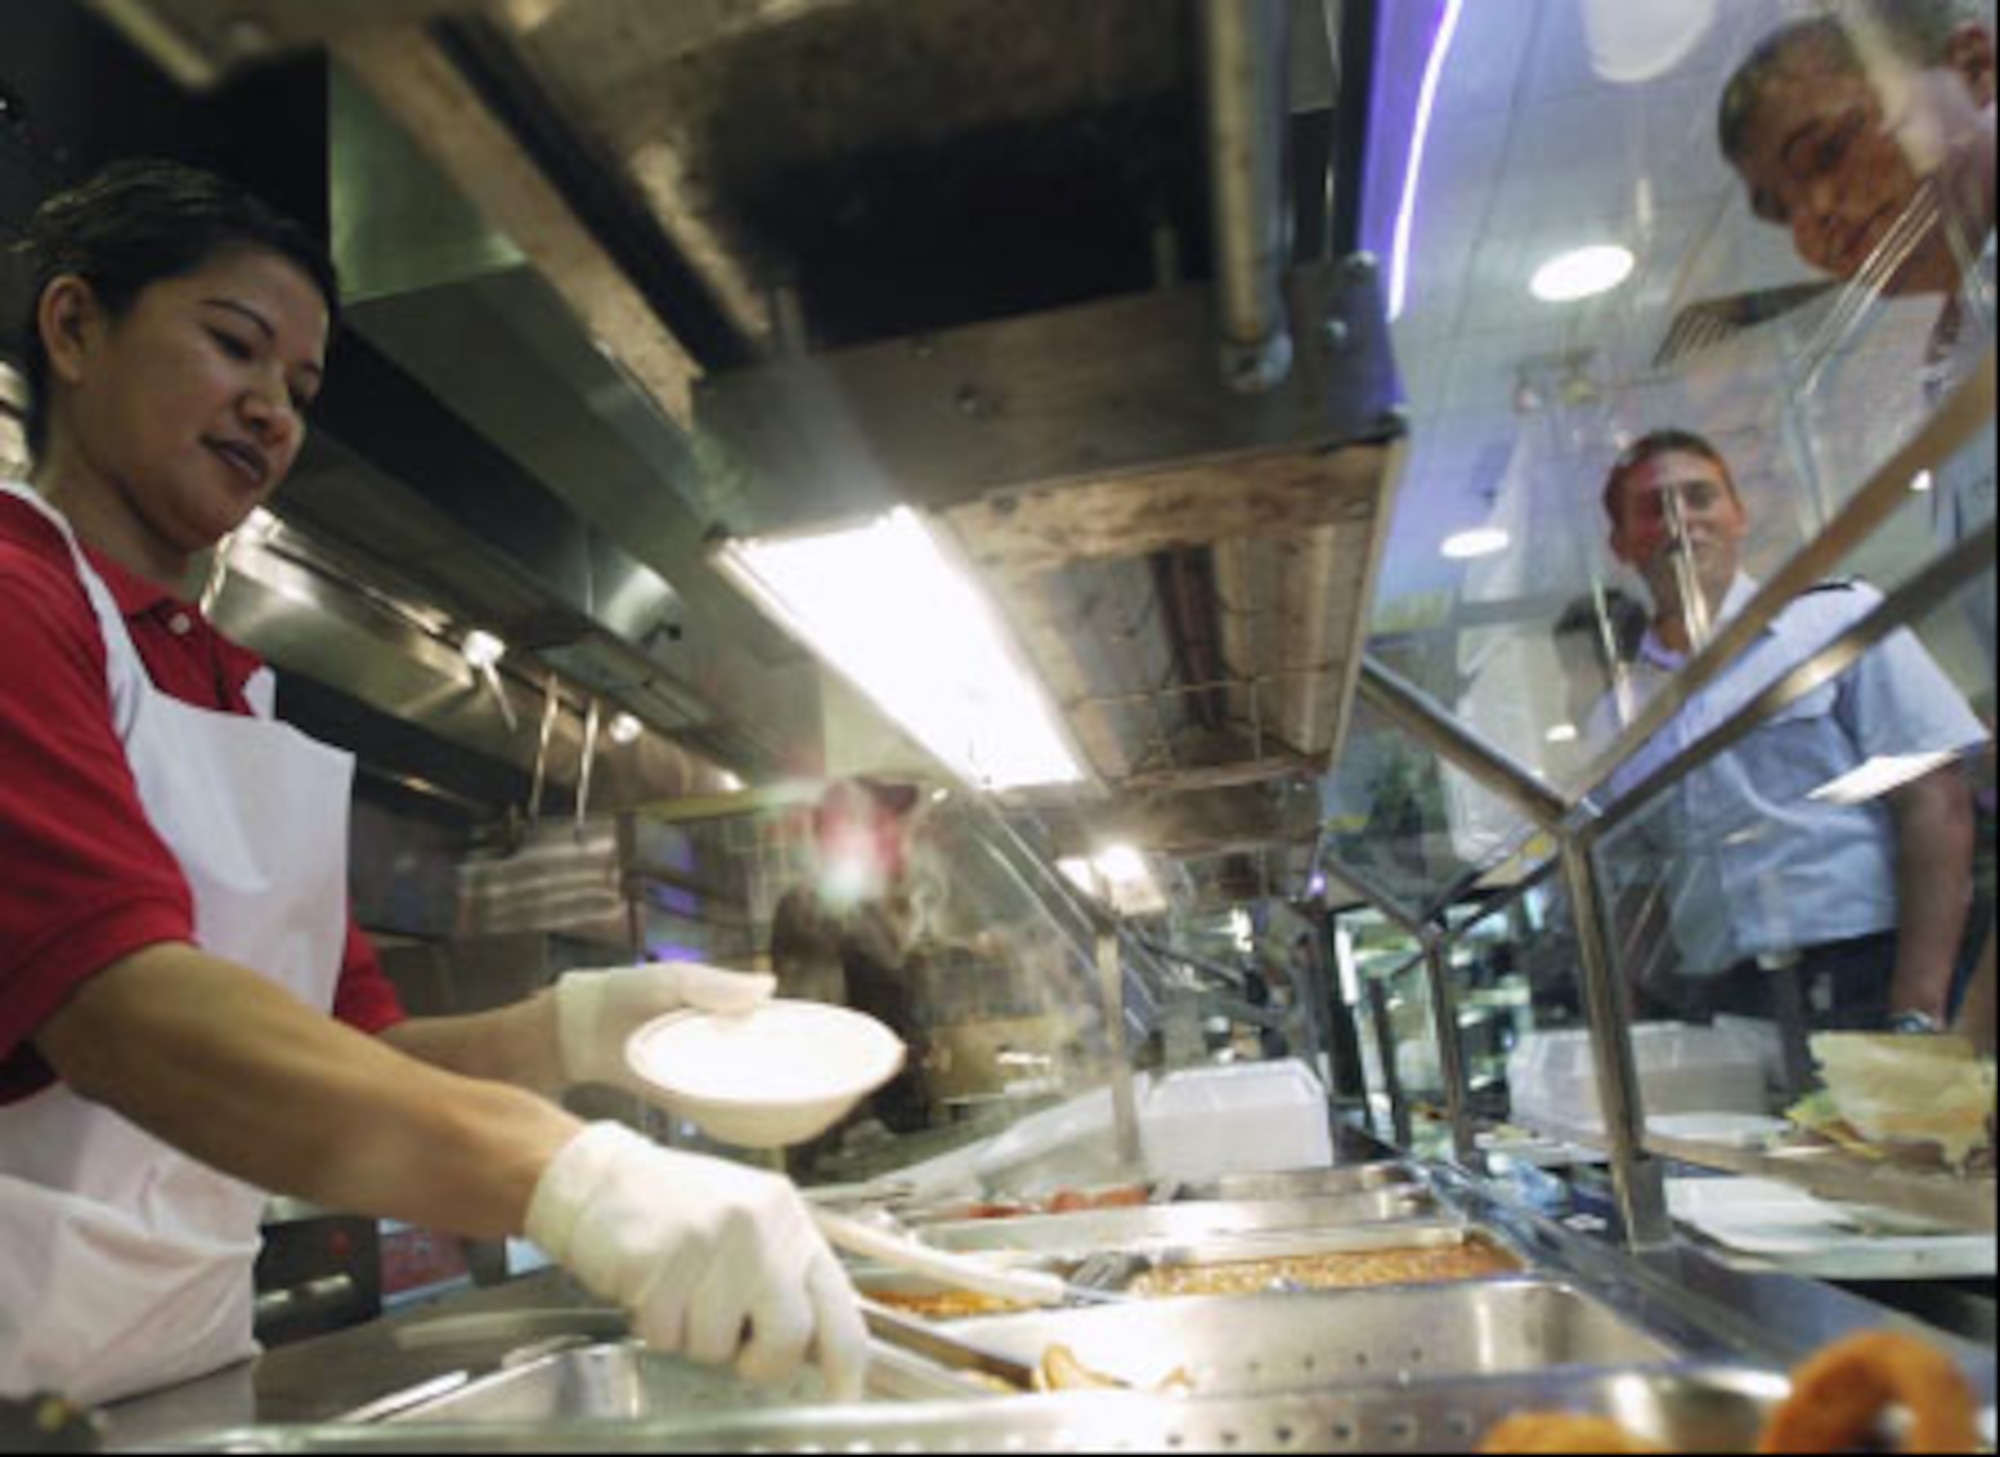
<point>1406,214</point>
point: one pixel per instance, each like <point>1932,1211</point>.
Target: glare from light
<point>1563,733</point>
<point>1420,131</point>
<point>625,729</point>
<point>482,649</point>
<point>731,783</point>
<point>1469,546</point>
<point>261,525</point>
<point>1584,273</point>
<point>1924,483</point>
<point>1880,776</point>
<point>1120,877</point>
<point>886,607</point>
<point>1242,930</point>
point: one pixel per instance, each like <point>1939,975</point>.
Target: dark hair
<point>1652,447</point>
<point>135,223</point>
<point>1590,616</point>
<point>1918,31</point>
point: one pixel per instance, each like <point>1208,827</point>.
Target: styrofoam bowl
<point>779,1075</point>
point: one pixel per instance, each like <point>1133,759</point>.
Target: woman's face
<point>191,406</point>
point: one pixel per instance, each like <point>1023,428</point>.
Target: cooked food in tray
<point>1062,1371</point>
<point>945,1304</point>
<point>1062,1201</point>
<point>1837,1403</point>
<point>1472,1260</point>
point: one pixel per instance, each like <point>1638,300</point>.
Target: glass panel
<point>1831,873</point>
<point>1799,297</point>
<point>929,912</point>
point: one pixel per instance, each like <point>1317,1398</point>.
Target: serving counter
<point>1680,1350</point>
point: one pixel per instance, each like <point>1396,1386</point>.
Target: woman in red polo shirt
<point>173,923</point>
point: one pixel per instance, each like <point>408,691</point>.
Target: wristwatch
<point>1915,1024</point>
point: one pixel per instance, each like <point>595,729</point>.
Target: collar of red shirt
<point>139,599</point>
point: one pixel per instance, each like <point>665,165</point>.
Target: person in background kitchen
<point>1860,906</point>
<point>848,935</point>
<point>188,1017</point>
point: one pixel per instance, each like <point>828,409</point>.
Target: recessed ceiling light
<point>1583,274</point>
<point>1563,733</point>
<point>1924,483</point>
<point>1471,545</point>
<point>626,729</point>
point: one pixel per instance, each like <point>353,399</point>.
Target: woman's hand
<point>598,1011</point>
<point>713,1261</point>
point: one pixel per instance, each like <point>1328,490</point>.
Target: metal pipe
<point>1400,1130</point>
<point>589,764</point>
<point>1246,51</point>
<point>1124,1096</point>
<point>1451,1050</point>
<point>1638,1179</point>
<point>1488,764</point>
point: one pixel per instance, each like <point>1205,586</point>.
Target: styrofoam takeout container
<point>779,1075</point>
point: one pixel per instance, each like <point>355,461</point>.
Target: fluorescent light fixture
<point>886,607</point>
<point>1420,132</point>
<point>1584,273</point>
<point>625,729</point>
<point>1469,546</point>
<point>1120,877</point>
<point>1924,483</point>
<point>482,649</point>
<point>1563,733</point>
<point>1882,775</point>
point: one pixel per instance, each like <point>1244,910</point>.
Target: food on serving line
<point>1886,1095</point>
<point>1838,1398</point>
<point>1560,1433</point>
<point>1840,1394</point>
<point>1063,1201</point>
<point>1469,1261</point>
<point>1062,1371</point>
<point>945,1304</point>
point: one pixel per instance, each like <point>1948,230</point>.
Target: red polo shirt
<point>84,879</point>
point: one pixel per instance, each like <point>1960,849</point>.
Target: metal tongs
<point>893,1246</point>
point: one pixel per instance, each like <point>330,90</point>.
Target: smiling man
<point>1860,907</point>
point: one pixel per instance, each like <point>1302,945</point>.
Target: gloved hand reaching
<point>597,1011</point>
<point>712,1261</point>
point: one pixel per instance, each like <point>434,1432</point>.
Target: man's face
<point>1843,164</point>
<point>1715,524</point>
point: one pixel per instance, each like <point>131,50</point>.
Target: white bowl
<point>780,1075</point>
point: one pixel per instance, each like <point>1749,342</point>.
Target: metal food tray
<point>1156,1225</point>
<point>1306,1183</point>
<point>1260,1344</point>
<point>1687,1410</point>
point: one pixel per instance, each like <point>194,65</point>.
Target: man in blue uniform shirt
<point>1861,907</point>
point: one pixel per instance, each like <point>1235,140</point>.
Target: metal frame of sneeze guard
<point>1579,826</point>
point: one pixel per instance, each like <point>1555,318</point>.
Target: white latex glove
<point>712,1261</point>
<point>597,1011</point>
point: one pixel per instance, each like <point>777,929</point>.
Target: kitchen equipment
<point>780,1074</point>
<point>948,1350</point>
<point>898,1251</point>
<point>1357,1220</point>
<point>1245,1345</point>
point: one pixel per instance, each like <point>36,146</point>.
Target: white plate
<point>782,1074</point>
<point>1732,1130</point>
<point>1776,1225</point>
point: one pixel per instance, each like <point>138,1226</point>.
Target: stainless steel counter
<point>1697,1344</point>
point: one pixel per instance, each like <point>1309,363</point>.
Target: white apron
<point>124,1265</point>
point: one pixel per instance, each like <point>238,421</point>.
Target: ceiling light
<point>482,649</point>
<point>1469,546</point>
<point>1583,274</point>
<point>1924,483</point>
<point>731,783</point>
<point>1563,733</point>
<point>889,609</point>
<point>1880,776</point>
<point>625,729</point>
